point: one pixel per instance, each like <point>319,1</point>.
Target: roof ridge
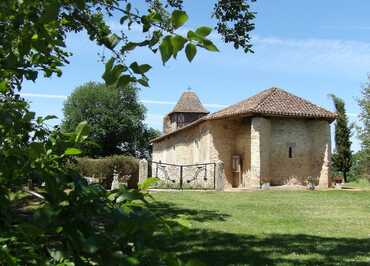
<point>306,101</point>
<point>272,90</point>
<point>239,102</point>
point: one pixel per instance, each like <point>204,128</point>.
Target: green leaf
<point>117,71</point>
<point>3,86</point>
<point>57,255</point>
<point>112,76</point>
<point>203,31</point>
<point>128,7</point>
<point>112,196</point>
<point>35,149</point>
<point>31,75</point>
<point>178,43</point>
<point>155,38</point>
<point>40,120</point>
<point>124,80</point>
<point>166,49</point>
<point>143,82</point>
<point>190,51</point>
<point>113,40</point>
<point>50,117</point>
<point>195,36</point>
<point>210,46</point>
<point>35,37</point>
<point>109,64</point>
<point>144,68</point>
<point>155,17</point>
<point>140,69</point>
<point>147,183</point>
<point>123,19</point>
<point>178,18</point>
<point>107,76</point>
<point>51,11</point>
<point>129,46</point>
<point>82,131</point>
<point>72,151</point>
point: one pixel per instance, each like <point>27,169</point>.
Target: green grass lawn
<point>361,183</point>
<point>270,227</point>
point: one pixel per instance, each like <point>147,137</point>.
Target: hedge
<point>103,169</point>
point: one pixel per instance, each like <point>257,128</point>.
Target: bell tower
<point>187,110</point>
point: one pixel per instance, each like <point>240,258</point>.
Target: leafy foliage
<point>34,35</point>
<point>364,131</point>
<point>342,158</point>
<point>235,22</point>
<point>115,116</point>
<point>72,222</point>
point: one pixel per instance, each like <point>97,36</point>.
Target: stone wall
<point>262,144</point>
<point>186,147</point>
<point>321,151</point>
<point>167,127</point>
<point>231,137</point>
<point>211,141</point>
<point>309,141</point>
<point>260,151</point>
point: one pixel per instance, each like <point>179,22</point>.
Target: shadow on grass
<point>169,210</point>
<point>220,248</point>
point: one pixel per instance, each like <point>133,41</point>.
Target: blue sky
<point>310,48</point>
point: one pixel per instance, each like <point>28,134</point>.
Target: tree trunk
<point>345,176</point>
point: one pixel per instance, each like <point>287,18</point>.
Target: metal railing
<point>200,175</point>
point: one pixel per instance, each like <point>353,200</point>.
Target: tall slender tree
<point>364,130</point>
<point>342,158</point>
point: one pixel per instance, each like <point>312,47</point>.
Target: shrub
<point>103,168</point>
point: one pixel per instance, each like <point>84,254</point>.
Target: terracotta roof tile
<point>275,102</point>
<point>189,103</point>
<point>271,102</point>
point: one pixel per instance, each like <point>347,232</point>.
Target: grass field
<point>270,227</point>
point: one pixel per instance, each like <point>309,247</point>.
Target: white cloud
<point>54,96</point>
<point>41,95</point>
<point>289,55</point>
<point>158,102</point>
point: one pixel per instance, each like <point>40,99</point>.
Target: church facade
<point>273,137</point>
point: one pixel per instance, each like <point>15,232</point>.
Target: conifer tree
<point>364,131</point>
<point>342,157</point>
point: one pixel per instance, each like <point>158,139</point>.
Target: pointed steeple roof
<point>189,103</point>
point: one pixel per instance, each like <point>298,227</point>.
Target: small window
<point>180,118</point>
<point>290,152</point>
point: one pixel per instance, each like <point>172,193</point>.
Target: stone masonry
<point>287,140</point>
